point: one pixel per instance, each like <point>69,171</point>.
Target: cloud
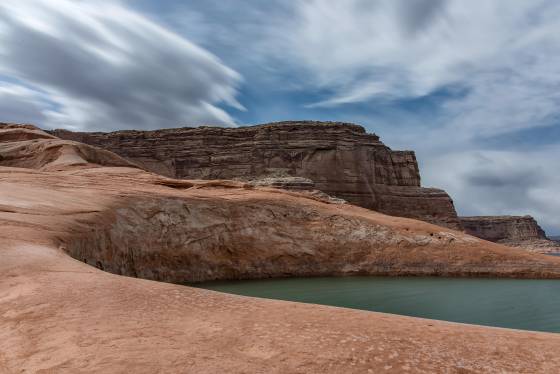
<point>250,35</point>
<point>417,14</point>
<point>505,56</point>
<point>495,182</point>
<point>103,66</point>
<point>20,104</point>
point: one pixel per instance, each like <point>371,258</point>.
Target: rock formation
<point>341,159</point>
<point>29,147</point>
<point>513,231</point>
<point>60,314</point>
<point>503,228</point>
<point>180,230</point>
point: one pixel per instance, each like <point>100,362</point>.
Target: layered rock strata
<point>341,159</point>
<point>514,231</point>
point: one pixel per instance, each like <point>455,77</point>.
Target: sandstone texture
<point>514,231</point>
<point>65,315</point>
<point>341,160</point>
<point>28,147</point>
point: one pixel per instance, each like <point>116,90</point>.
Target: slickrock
<point>29,147</point>
<point>341,159</point>
<point>514,231</point>
<point>62,315</point>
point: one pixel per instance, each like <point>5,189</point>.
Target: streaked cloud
<point>495,182</point>
<point>105,66</point>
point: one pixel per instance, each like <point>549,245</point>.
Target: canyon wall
<point>340,159</point>
<point>514,231</point>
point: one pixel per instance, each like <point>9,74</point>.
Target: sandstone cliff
<point>61,315</point>
<point>514,231</point>
<point>340,159</point>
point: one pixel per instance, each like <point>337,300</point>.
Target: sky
<point>472,86</point>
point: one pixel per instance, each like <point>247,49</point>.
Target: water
<point>513,303</point>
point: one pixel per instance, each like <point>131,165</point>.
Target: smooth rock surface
<point>27,146</point>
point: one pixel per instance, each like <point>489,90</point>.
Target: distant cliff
<point>500,228</point>
<point>341,159</point>
<point>514,231</point>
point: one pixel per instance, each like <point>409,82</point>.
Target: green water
<point>513,303</point>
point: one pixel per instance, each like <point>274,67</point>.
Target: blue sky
<point>472,87</point>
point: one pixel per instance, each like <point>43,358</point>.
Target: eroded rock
<point>23,145</point>
<point>341,159</point>
<point>514,231</point>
